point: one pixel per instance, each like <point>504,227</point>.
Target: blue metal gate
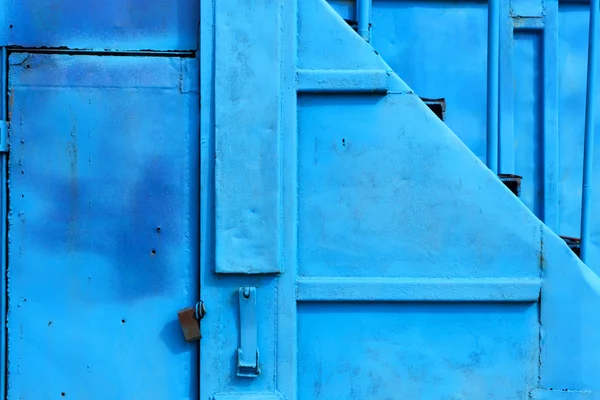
<point>274,162</point>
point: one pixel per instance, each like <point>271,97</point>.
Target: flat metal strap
<point>248,350</point>
<point>247,136</point>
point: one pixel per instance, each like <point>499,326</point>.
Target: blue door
<point>352,246</point>
<point>103,226</point>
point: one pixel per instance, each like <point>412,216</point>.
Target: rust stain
<point>11,103</point>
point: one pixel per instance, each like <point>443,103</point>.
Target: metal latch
<point>3,137</point>
<point>248,351</point>
<point>189,319</point>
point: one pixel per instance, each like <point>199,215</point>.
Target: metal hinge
<point>3,137</point>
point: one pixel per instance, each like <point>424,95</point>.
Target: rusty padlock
<point>189,319</point>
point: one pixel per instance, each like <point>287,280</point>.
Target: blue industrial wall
<point>389,261</point>
<point>410,198</point>
<point>440,49</point>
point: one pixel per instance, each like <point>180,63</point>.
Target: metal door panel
<point>413,351</point>
<point>408,269</point>
<point>111,24</point>
<point>102,226</point>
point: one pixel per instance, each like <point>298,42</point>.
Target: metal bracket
<point>248,365</point>
<point>3,137</point>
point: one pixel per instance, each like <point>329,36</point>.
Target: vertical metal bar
<point>506,124</point>
<point>287,332</point>
<point>209,283</point>
<point>493,84</point>
<point>201,181</point>
<point>3,222</point>
<point>590,120</point>
<point>363,17</point>
<point>550,115</point>
<point>4,76</point>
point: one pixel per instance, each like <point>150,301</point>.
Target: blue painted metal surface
<point>3,210</point>
<point>276,149</point>
<point>102,225</point>
<point>590,126</point>
<point>248,355</point>
<point>493,85</point>
<point>363,17</point>
<point>543,58</point>
<point>112,24</point>
<point>247,210</point>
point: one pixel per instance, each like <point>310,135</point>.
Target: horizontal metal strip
<point>573,1</point>
<point>90,52</point>
<point>342,81</point>
<point>561,394</point>
<point>528,23</point>
<point>247,396</point>
<point>399,289</point>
